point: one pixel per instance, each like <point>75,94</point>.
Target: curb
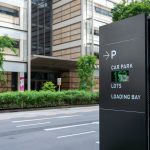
<point>45,108</point>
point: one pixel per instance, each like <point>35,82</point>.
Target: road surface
<point>55,129</point>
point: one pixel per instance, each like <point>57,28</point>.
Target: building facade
<point>13,22</point>
<point>61,32</point>
<point>75,31</point>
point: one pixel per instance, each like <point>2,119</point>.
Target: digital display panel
<point>120,76</point>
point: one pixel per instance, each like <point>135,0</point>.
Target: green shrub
<point>35,99</point>
<point>49,86</point>
<point>85,69</point>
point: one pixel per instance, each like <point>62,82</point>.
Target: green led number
<point>122,76</point>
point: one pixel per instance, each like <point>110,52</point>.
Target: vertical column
<point>83,27</point>
<point>92,46</point>
<point>29,45</point>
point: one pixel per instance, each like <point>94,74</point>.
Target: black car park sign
<point>124,85</point>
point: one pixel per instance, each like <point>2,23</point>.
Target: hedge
<point>35,99</point>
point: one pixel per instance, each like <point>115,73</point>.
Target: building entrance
<point>38,78</point>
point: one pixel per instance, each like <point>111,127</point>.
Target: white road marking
<point>71,135</point>
<point>27,125</point>
<point>59,117</point>
<point>73,126</point>
<point>97,142</point>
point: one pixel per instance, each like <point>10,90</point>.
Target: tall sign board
<point>123,86</point>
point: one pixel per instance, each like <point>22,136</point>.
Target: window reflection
<point>41,27</point>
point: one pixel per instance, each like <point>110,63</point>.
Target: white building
<point>98,13</point>
<point>13,22</point>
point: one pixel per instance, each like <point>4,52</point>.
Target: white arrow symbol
<point>107,55</point>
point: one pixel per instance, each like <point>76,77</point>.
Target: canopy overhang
<point>53,63</point>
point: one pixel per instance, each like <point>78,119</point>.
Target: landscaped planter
<point>35,99</point>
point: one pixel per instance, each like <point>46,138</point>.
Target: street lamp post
<point>29,47</point>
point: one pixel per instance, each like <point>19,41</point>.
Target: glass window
<point>8,51</point>
<point>38,78</point>
<point>17,45</point>
<point>41,27</point>
<point>103,11</point>
<point>12,82</point>
<point>9,11</point>
<point>96,32</point>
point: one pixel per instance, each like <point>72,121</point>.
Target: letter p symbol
<point>113,53</point>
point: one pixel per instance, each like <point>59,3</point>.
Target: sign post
<point>124,84</point>
<point>59,83</point>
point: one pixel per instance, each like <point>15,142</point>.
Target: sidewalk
<point>10,115</point>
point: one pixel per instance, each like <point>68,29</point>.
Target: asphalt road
<point>57,129</point>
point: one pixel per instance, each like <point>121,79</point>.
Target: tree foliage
<point>85,70</point>
<point>49,86</point>
<point>125,10</point>
<point>5,42</point>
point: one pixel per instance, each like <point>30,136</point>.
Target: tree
<point>85,70</point>
<point>5,42</point>
<point>125,10</point>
